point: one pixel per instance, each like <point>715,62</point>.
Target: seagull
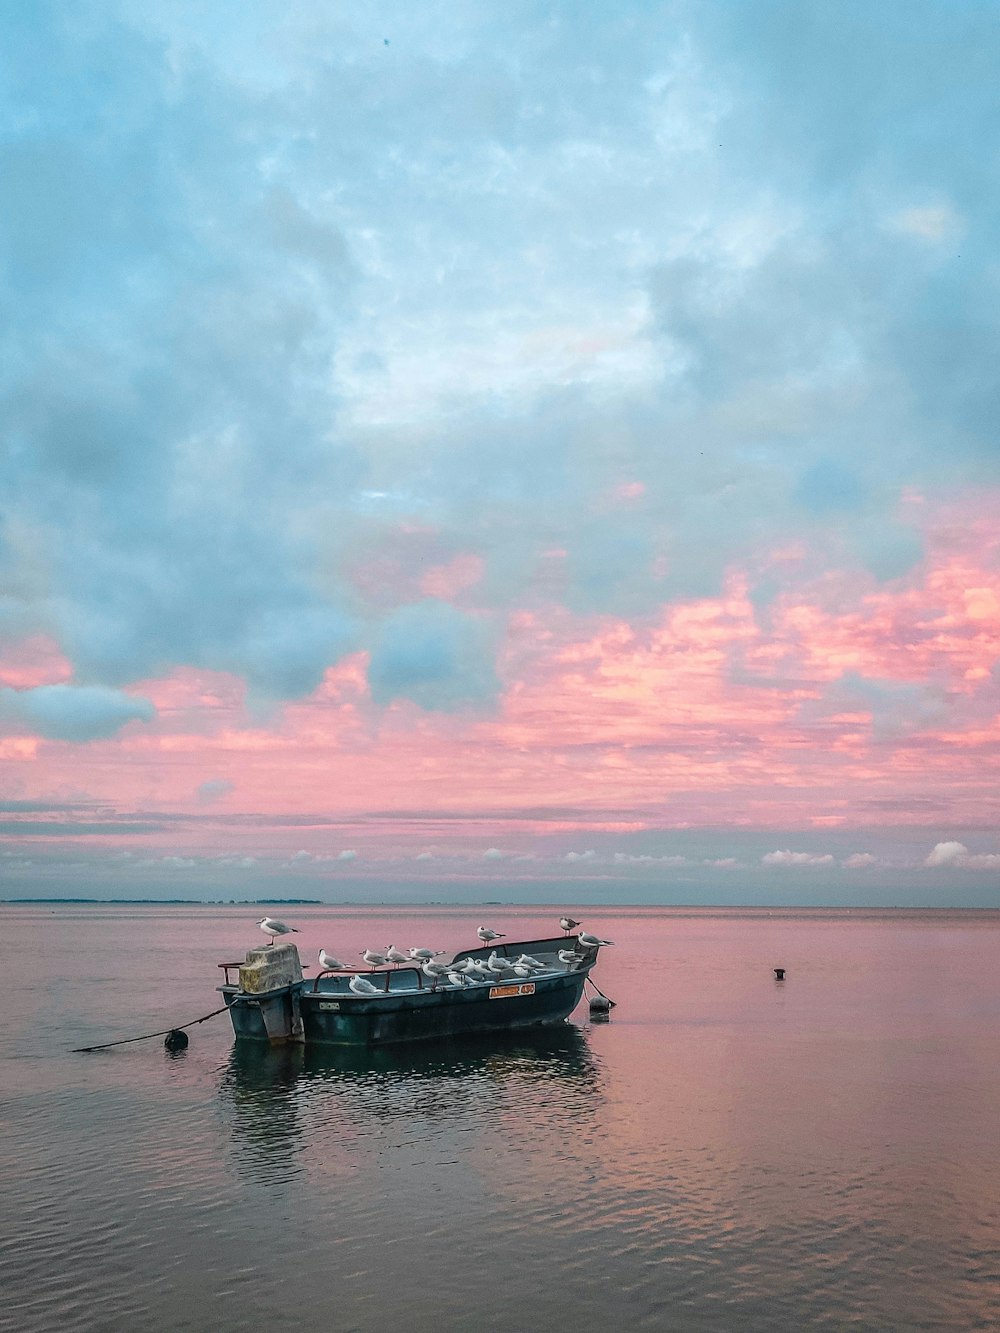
<point>526,960</point>
<point>271,927</point>
<point>360,986</point>
<point>567,924</point>
<point>396,956</point>
<point>521,971</point>
<point>476,970</point>
<point>458,978</point>
<point>488,936</point>
<point>497,964</point>
<point>425,955</point>
<point>375,959</point>
<point>330,964</point>
<point>569,957</point>
<point>591,941</point>
<point>435,970</point>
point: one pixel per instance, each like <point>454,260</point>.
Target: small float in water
<point>272,1002</point>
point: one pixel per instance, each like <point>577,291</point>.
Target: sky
<point>500,451</point>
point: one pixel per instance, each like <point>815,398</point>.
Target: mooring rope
<point>601,993</point>
<point>178,1027</point>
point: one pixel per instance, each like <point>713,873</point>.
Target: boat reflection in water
<point>291,1108</point>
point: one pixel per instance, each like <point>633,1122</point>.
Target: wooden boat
<point>272,1002</point>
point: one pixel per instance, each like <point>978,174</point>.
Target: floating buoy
<point>600,1004</point>
<point>779,974</point>
<point>175,1040</point>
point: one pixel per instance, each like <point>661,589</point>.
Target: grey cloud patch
<point>214,789</point>
<point>897,708</point>
<point>435,655</point>
<point>73,712</point>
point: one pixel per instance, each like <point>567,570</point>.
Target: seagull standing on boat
<point>424,955</point>
<point>435,970</point>
<point>271,927</point>
<point>497,964</point>
<point>396,956</point>
<point>488,936</point>
<point>374,958</point>
<point>526,960</point>
<point>330,964</point>
<point>591,941</point>
<point>568,956</point>
<point>458,978</point>
<point>360,986</point>
<point>567,924</point>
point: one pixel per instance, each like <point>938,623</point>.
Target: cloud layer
<point>583,408</point>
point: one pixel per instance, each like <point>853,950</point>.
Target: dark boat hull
<point>326,1012</point>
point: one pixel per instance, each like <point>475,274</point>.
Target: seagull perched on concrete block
<point>271,927</point>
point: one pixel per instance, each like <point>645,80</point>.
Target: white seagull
<point>526,960</point>
<point>591,941</point>
<point>458,978</point>
<point>271,927</point>
<point>497,964</point>
<point>396,956</point>
<point>330,964</point>
<point>569,957</point>
<point>567,924</point>
<point>521,971</point>
<point>374,958</point>
<point>360,986</point>
<point>435,970</point>
<point>488,936</point>
<point>425,955</point>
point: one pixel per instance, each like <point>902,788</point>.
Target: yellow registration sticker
<point>508,992</point>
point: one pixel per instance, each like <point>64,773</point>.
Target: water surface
<point>727,1152</point>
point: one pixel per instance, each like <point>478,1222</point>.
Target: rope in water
<point>77,1050</point>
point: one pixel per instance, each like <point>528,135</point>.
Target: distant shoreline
<point>748,909</point>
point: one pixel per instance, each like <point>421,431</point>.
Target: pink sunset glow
<point>841,703</point>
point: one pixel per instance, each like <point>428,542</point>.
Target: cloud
<point>348,854</point>
<point>947,854</point>
<point>433,654</point>
<point>214,789</point>
<point>580,856</point>
<point>957,854</point>
<point>73,712</point>
<point>787,858</point>
<point>859,861</point>
<point>492,854</point>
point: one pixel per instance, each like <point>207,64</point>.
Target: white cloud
<point>929,222</point>
<point>947,854</point>
<point>957,854</point>
<point>859,860</point>
<point>492,854</point>
<point>787,858</point>
<point>348,854</point>
<point>580,856</point>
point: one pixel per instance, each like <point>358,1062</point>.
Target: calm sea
<point>728,1152</point>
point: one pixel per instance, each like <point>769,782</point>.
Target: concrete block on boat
<point>269,968</point>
